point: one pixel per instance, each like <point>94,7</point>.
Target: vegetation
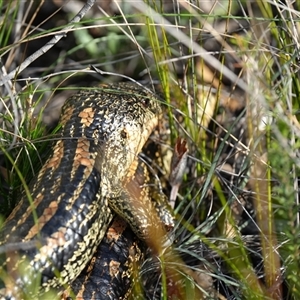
<point>229,75</point>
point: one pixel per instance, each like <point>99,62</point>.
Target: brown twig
<point>178,166</point>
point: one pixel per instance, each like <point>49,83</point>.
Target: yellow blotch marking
<point>66,116</point>
<point>116,229</point>
<point>56,185</point>
<point>54,161</point>
<point>83,156</point>
<point>114,268</point>
<point>87,116</point>
<point>29,210</point>
<point>132,170</point>
<point>16,209</point>
<point>42,220</point>
<point>57,239</point>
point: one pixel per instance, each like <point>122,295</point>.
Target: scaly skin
<point>109,274</point>
<point>102,132</point>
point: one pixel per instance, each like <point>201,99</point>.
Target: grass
<point>237,106</point>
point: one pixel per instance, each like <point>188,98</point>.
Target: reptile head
<point>117,120</point>
<point>132,115</point>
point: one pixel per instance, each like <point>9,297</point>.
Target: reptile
<point>49,238</point>
<point>109,273</point>
<point>116,262</point>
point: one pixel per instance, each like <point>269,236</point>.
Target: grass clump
<point>229,76</point>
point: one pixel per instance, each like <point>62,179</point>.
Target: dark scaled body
<point>55,235</point>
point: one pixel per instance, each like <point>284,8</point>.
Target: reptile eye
<point>146,102</point>
<point>124,134</point>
